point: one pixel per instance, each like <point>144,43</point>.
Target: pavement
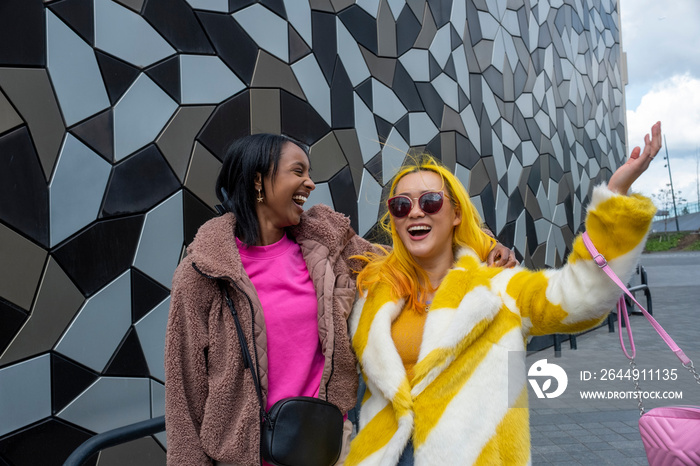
<point>571,430</point>
<point>687,222</point>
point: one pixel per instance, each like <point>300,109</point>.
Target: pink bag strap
<point>599,259</point>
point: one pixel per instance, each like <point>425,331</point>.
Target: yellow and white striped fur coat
<point>467,403</point>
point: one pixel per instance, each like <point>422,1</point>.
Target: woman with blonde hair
<point>441,338</point>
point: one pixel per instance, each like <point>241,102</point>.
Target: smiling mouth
<point>419,230</point>
<point>299,199</point>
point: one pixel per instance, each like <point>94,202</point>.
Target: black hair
<point>235,185</point>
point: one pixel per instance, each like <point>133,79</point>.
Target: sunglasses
<point>429,202</point>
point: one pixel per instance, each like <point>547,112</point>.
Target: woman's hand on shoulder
<point>501,256</point>
<point>637,163</point>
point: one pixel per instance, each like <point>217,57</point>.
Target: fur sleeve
<point>579,295</point>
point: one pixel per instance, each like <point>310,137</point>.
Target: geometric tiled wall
<point>115,114</point>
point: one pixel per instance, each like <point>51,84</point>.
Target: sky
<point>663,69</point>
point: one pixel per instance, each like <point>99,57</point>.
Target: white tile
<point>314,85</point>
<point>350,54</point>
<point>417,65</point>
<point>74,72</point>
<point>393,154</point>
<point>366,130</point>
<point>299,15</point>
<point>447,89</point>
<point>421,128</point>
<point>151,332</point>
<point>385,103</point>
<point>441,45</point>
<point>368,203</point>
<point>320,195</point>
<point>267,29</point>
<point>205,79</point>
<point>76,189</point>
<point>25,393</point>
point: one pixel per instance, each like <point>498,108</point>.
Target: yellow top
<point>407,333</point>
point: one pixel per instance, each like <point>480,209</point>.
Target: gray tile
<point>386,31</point>
<point>176,140</point>
<point>151,333</point>
<point>161,240</point>
<point>142,46</point>
<point>141,452</point>
<point>19,282</point>
<point>25,393</point>
<point>270,72</point>
<point>100,325</point>
<point>422,129</point>
<point>9,118</point>
<point>299,16</point>
<point>394,152</point>
<point>140,115</point>
<point>210,5</point>
<point>109,403</point>
<point>320,195</point>
<point>265,111</point>
<point>368,203</point>
<point>326,158</point>
<point>31,93</point>
<point>201,175</point>
<point>267,29</point>
<point>314,85</point>
<point>74,72</point>
<point>350,54</point>
<point>351,148</point>
<point>366,130</point>
<point>385,103</point>
<point>428,31</point>
<point>57,302</point>
<point>76,189</point>
<point>206,80</point>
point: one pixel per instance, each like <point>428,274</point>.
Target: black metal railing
<point>114,437</point>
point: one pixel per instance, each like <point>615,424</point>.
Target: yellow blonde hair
<point>397,267</point>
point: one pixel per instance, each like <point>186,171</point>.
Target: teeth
<point>299,199</point>
<point>419,227</point>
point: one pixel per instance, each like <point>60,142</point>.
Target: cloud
<point>676,103</point>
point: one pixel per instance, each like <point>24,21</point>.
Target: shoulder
<point>323,225</point>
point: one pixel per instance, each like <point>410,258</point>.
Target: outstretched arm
<point>638,162</point>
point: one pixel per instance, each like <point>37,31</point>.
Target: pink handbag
<point>671,434</point>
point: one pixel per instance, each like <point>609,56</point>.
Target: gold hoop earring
<point>260,197</point>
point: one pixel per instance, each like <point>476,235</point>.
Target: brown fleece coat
<point>211,408</point>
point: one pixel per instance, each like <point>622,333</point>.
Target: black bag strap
<point>247,360</point>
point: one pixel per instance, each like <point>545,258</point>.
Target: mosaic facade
<point>115,115</point>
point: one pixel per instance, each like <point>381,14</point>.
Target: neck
<point>269,234</point>
<point>436,268</point>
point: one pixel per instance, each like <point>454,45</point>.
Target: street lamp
<point>673,196</point>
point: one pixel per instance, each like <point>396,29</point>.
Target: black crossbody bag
<point>297,431</point>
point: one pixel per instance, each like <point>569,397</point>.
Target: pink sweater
<point>295,362</point>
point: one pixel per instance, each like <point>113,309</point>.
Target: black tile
<point>48,443</point>
<point>196,213</point>
<point>450,68</point>
<point>177,23</point>
<point>24,205</point>
<point>343,194</point>
<point>146,293</point>
<point>12,318</point>
<point>404,128</point>
<point>405,89</point>
<point>507,235</point>
<point>407,30</point>
<point>300,120</point>
<point>530,232</point>
<point>431,101</point>
<point>98,133</point>
<point>68,380</point>
<point>433,67</point>
<point>235,5</point>
<point>473,26</point>
<point>555,170</point>
<point>342,99</point>
<point>233,45</point>
<point>516,205</point>
<point>364,90</point>
<point>485,135</point>
<point>475,96</point>
<point>441,10</point>
<point>324,42</point>
<point>383,128</point>
<point>128,360</point>
<point>494,79</point>
<point>467,155</point>
<point>78,14</point>
<point>434,147</point>
<point>455,38</point>
<point>277,6</point>
<point>488,206</point>
<point>118,76</point>
<point>374,167</point>
<point>22,33</point>
<point>520,126</point>
<point>361,25</point>
<point>297,46</point>
<point>230,121</point>
<point>99,254</point>
<point>462,99</point>
<point>139,183</point>
<point>167,75</point>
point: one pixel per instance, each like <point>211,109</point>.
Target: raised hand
<point>637,163</point>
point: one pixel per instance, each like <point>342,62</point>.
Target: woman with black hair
<point>290,275</point>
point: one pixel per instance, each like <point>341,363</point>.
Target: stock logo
<point>543,370</point>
